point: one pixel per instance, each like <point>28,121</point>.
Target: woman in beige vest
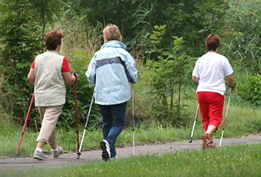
<point>49,73</point>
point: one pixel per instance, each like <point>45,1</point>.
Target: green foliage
<point>166,79</point>
<point>250,90</point>
<point>21,40</point>
<point>154,44</point>
<point>241,37</point>
<point>240,43</point>
<point>44,11</point>
<point>193,20</point>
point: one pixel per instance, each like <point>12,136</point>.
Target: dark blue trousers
<point>113,117</point>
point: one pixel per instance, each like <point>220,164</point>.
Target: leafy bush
<point>166,79</point>
<point>250,90</point>
<point>21,40</point>
<point>241,35</point>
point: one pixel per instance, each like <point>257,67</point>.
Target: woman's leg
<point>49,120</point>
<point>204,109</point>
<point>117,123</point>
<point>106,119</point>
<point>215,113</point>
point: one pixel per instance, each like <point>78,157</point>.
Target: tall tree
<point>44,11</point>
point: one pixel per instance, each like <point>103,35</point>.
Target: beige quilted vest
<point>49,84</point>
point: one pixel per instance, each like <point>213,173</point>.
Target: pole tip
<point>78,157</point>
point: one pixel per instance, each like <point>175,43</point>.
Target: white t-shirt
<point>211,69</point>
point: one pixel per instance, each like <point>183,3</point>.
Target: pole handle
<point>75,75</point>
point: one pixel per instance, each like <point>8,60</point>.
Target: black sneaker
<point>105,147</point>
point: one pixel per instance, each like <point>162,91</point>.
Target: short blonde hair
<point>111,32</point>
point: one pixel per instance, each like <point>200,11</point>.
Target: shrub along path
<point>70,159</point>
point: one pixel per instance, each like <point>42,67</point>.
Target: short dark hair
<point>53,39</point>
<point>212,42</point>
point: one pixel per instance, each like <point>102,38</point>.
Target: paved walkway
<point>70,159</point>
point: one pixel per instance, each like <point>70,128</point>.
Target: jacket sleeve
<point>130,69</point>
<point>91,72</point>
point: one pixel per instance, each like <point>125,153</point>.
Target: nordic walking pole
<point>132,96</point>
<point>195,120</point>
<point>225,120</point>
<point>79,152</point>
<point>77,130</point>
<point>24,125</point>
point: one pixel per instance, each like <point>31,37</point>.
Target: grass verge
<point>237,160</point>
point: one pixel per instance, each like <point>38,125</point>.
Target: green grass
<point>241,121</point>
<point>238,160</point>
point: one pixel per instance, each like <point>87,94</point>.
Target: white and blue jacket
<point>110,70</point>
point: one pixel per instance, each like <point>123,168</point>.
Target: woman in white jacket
<point>111,68</point>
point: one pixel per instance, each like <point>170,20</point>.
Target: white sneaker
<point>57,153</point>
<point>105,147</point>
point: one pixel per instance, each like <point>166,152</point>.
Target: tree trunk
<point>171,96</point>
<point>43,19</point>
<point>179,98</point>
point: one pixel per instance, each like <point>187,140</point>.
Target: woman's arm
<point>91,72</point>
<point>30,76</point>
<point>196,79</point>
<point>230,81</point>
<point>69,78</point>
<point>130,67</point>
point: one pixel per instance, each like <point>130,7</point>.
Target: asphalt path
<point>90,156</point>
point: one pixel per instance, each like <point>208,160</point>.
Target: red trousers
<point>211,108</point>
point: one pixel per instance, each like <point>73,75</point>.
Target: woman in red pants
<point>209,72</point>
